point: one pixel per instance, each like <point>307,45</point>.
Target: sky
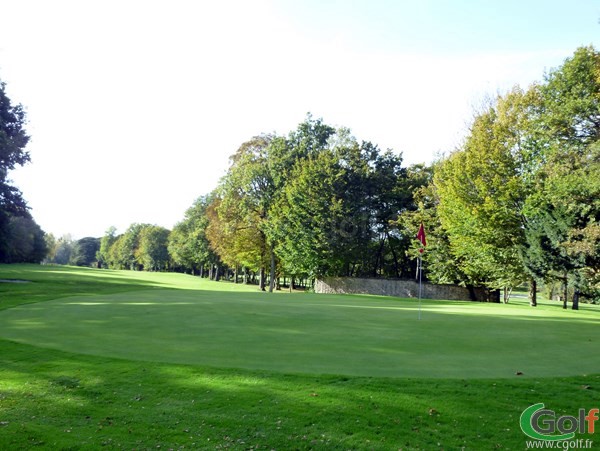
<point>134,106</point>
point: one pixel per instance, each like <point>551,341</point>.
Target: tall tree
<point>309,221</point>
<point>152,253</point>
<point>482,192</point>
<point>563,212</point>
<point>18,230</point>
<point>84,252</point>
<point>63,250</point>
<point>246,194</point>
<point>13,139</point>
<point>27,243</point>
<point>103,254</point>
<point>188,246</point>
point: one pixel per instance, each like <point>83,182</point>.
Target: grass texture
<point>108,360</point>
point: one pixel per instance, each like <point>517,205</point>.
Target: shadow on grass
<point>58,400</point>
<point>308,334</point>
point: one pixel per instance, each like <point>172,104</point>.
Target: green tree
<point>123,253</point>
<point>13,139</point>
<point>103,254</point>
<point>309,226</point>
<point>188,245</point>
<point>21,239</point>
<point>63,251</point>
<point>246,194</point>
<point>482,192</point>
<point>27,243</point>
<point>50,240</point>
<point>84,252</point>
<point>152,253</point>
<point>337,211</point>
<point>562,212</point>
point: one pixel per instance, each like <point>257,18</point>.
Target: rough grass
<point>54,399</point>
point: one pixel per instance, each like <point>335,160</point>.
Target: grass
<point>229,367</point>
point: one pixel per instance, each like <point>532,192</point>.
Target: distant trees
<point>21,239</point>
<point>84,252</point>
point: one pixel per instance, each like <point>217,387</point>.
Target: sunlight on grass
<point>309,333</point>
<point>456,384</point>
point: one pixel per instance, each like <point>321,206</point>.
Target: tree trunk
<point>235,274</point>
<point>272,274</point>
<point>210,272</point>
<point>261,281</point>
<point>575,305</point>
<point>217,275</point>
<point>565,293</point>
<point>533,292</point>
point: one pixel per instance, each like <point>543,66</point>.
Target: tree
<point>189,247</point>
<point>85,251</point>
<point>13,140</point>
<point>50,240</point>
<point>336,211</point>
<point>27,244</point>
<point>21,239</point>
<point>123,252</point>
<point>246,194</point>
<point>103,254</point>
<point>482,192</point>
<point>309,226</point>
<point>563,212</point>
<point>563,232</point>
<point>152,253</point>
<point>129,245</point>
<point>63,250</point>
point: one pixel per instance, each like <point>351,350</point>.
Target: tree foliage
<point>21,239</point>
<point>520,197</point>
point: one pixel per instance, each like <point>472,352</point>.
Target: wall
<point>402,289</point>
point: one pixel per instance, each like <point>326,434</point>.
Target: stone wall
<point>402,289</point>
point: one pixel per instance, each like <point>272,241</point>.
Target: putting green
<point>309,333</point>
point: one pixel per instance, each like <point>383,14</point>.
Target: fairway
<point>238,327</point>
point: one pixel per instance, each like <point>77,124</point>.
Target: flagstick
<point>420,264</point>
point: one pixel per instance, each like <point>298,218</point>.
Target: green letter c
<point>528,428</point>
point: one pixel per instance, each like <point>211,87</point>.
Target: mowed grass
<point>135,360</point>
<point>310,333</point>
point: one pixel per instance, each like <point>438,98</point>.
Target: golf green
<point>314,334</point>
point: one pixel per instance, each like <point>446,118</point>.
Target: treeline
<point>316,202</point>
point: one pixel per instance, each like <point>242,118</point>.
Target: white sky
<point>134,106</point>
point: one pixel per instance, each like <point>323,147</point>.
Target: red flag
<point>421,236</point>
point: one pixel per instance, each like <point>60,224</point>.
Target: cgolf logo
<point>542,424</point>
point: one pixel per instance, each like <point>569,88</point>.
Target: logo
<point>543,424</point>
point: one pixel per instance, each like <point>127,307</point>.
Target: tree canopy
<point>21,239</point>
